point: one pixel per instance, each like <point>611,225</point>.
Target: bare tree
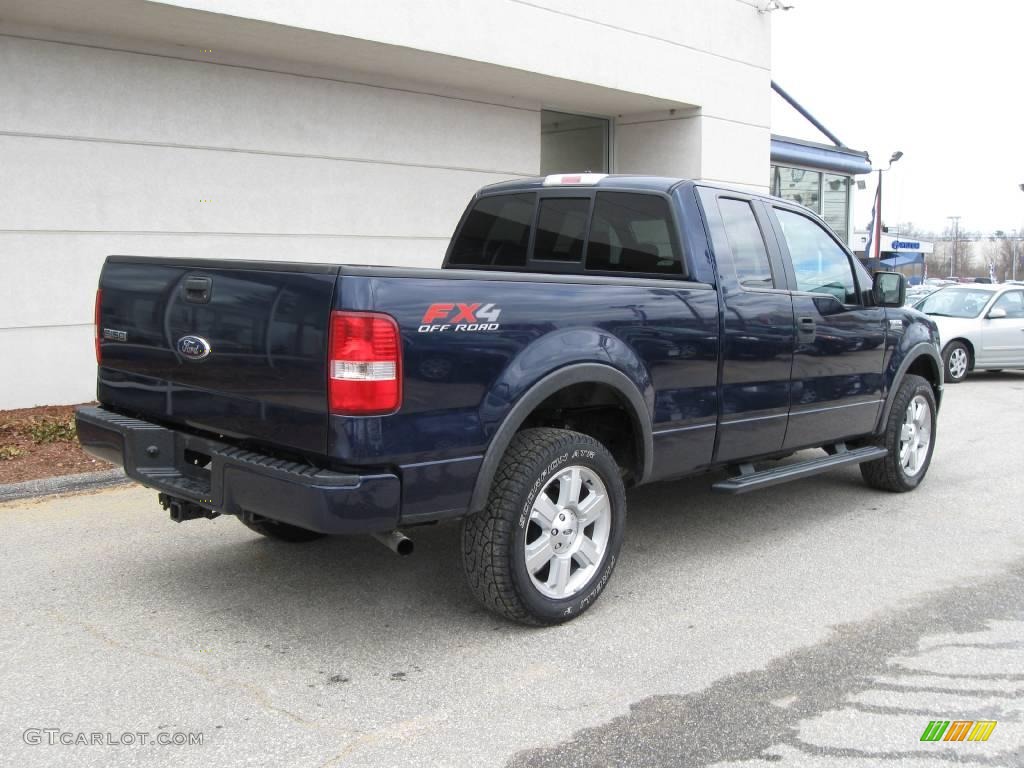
<point>952,254</point>
<point>1001,251</point>
<point>907,230</point>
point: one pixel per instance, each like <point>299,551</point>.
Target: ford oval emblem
<point>193,347</point>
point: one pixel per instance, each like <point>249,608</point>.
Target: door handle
<point>805,328</point>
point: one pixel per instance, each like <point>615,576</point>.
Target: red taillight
<point>96,326</point>
<point>364,364</point>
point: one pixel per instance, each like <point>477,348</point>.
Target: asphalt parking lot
<point>818,623</point>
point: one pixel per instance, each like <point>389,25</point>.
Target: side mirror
<point>996,313</point>
<point>889,289</point>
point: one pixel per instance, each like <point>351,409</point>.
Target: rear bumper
<point>236,480</point>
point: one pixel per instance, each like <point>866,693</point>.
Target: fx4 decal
<point>460,317</point>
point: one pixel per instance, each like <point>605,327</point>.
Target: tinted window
<point>561,227</point>
<point>749,255</point>
<point>821,266</point>
<point>632,233</point>
<point>1012,302</point>
<point>496,232</point>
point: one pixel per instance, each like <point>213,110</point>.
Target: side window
<point>821,266</point>
<point>561,227</point>
<point>633,232</point>
<point>496,232</point>
<point>749,255</point>
<point>1012,302</point>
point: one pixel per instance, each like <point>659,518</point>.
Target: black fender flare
<point>579,373</point>
<point>921,349</point>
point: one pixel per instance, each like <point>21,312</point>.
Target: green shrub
<point>9,452</point>
<point>50,430</point>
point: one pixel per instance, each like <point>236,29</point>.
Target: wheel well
<point>924,366</point>
<point>970,351</point>
<point>597,410</point>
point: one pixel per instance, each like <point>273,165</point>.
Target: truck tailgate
<point>233,348</point>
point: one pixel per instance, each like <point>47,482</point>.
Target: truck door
<point>837,367</point>
<point>758,334</point>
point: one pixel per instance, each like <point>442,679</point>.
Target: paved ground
<point>818,624</point>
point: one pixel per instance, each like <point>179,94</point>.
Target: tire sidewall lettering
<point>550,469</point>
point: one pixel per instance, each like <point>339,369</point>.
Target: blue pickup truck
<point>587,333</point>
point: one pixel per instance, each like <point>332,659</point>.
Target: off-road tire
<point>493,539</point>
<point>947,353</point>
<point>281,531</point>
<point>887,474</point>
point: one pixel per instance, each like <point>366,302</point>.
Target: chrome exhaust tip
<point>396,541</point>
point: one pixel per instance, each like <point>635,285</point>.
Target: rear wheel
<point>280,531</point>
<point>909,438</point>
<point>958,362</point>
<point>547,542</point>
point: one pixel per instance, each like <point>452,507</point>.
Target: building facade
<point>326,131</point>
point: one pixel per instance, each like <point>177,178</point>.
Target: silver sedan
<point>981,327</point>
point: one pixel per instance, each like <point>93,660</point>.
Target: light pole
<point>876,225</point>
<point>956,242</point>
<point>1015,256</point>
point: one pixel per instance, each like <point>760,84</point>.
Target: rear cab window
<point>496,232</point>
<point>593,232</point>
<point>561,229</point>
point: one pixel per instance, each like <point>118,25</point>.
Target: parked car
<point>981,327</point>
<point>586,333</point>
<point>917,292</point>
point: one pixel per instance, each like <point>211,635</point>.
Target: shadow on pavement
<point>743,716</point>
<point>342,585</point>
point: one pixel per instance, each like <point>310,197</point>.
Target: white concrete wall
<point>711,53</point>
<point>323,131</point>
<point>106,152</point>
<point>694,146</point>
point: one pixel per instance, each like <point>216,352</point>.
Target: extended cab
<point>585,334</point>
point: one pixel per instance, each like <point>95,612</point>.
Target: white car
<point>981,327</point>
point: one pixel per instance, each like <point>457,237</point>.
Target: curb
<point>51,486</point>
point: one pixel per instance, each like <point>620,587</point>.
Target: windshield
<point>955,302</point>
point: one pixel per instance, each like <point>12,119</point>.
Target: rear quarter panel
<point>459,385</point>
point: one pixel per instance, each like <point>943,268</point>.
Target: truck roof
<point>587,180</point>
<point>619,181</point>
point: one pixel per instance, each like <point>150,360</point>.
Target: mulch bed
<point>40,442</point>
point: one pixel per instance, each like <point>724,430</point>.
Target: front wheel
<point>547,542</point>
<point>909,438</point>
<point>958,361</point>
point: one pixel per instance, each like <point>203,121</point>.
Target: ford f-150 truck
<point>586,333</point>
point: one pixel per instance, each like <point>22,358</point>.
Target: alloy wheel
<point>568,532</point>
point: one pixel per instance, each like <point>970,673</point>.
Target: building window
<point>828,194</point>
<point>571,143</point>
<point>835,202</point>
<point>798,185</point>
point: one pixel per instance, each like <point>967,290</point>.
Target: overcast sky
<point>942,81</point>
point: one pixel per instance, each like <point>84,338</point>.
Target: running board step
<point>749,480</point>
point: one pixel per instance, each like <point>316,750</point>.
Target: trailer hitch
<point>182,510</point>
